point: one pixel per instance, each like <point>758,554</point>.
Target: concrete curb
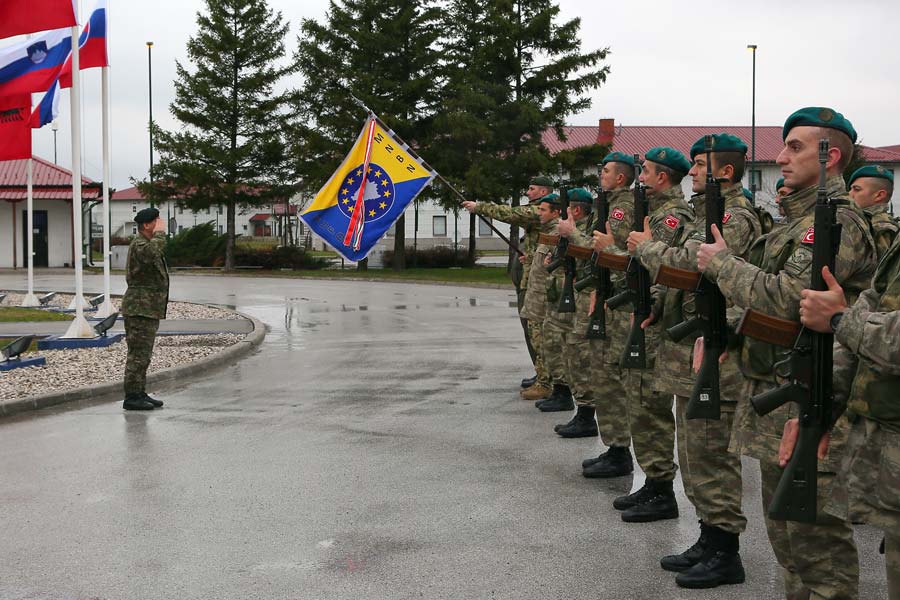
<point>183,373</point>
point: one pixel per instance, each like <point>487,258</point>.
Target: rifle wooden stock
<point>680,279</point>
<point>579,252</point>
<point>548,239</point>
<point>769,329</point>
<point>613,262</point>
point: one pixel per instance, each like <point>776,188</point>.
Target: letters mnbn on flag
<point>375,183</point>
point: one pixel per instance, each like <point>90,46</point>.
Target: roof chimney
<point>607,132</point>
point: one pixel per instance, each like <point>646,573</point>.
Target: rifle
<point>634,355</point>
<point>567,297</point>
<point>599,276</point>
<point>809,382</point>
<point>710,320</point>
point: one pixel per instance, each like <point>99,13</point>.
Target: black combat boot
<point>616,462</point>
<point>527,383</point>
<point>583,425</point>
<point>591,461</point>
<point>659,504</point>
<point>690,557</point>
<point>136,402</point>
<point>559,400</point>
<point>156,403</point>
<point>634,498</point>
<point>568,423</point>
<point>720,565</point>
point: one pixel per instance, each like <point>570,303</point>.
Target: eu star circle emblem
<point>378,193</point>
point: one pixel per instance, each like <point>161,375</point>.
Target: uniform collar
<point>801,202</point>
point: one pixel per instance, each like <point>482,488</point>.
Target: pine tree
<point>230,147</point>
<point>380,51</point>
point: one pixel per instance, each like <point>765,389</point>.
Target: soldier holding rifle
<point>818,559</point>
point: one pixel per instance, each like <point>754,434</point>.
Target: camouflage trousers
<point>818,561</point>
<point>140,333</point>
<point>710,473</point>
<point>892,565</point>
<point>652,425</point>
<point>536,334</point>
<point>610,402</point>
<point>520,301</point>
<point>554,350</point>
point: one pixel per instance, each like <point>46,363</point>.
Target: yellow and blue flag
<point>368,193</point>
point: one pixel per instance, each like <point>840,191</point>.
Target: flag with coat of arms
<point>368,193</point>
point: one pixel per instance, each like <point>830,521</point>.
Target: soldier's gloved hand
<point>707,251</point>
<point>789,442</point>
<point>566,226</point>
<point>636,238</point>
<point>469,206</point>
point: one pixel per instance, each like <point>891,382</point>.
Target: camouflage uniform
<point>652,422</point>
<point>884,227</point>
<point>534,306</point>
<point>869,353</point>
<point>607,379</point>
<point>143,305</point>
<point>527,218</point>
<point>556,324</point>
<point>711,475</point>
<point>818,559</point>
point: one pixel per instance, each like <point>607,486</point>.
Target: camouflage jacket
<point>535,303</point>
<point>884,227</point>
<point>147,276</point>
<point>526,217</point>
<point>557,279</point>
<point>740,227</point>
<point>771,283</point>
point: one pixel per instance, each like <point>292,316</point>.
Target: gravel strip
<point>68,369</point>
<point>175,310</point>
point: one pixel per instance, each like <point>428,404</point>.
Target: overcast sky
<point>673,63</point>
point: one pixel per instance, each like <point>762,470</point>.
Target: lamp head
<point>46,298</point>
<point>97,300</point>
<point>106,324</point>
<point>16,347</point>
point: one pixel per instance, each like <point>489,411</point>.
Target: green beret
<point>620,157</point>
<point>668,157</point>
<point>721,142</point>
<point>542,181</point>
<point>580,195</point>
<point>779,184</point>
<point>819,116</point>
<point>872,171</point>
<point>146,215</point>
<point>551,199</point>
<point>747,194</point>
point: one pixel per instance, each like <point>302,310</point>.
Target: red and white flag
<point>19,17</point>
<point>15,130</point>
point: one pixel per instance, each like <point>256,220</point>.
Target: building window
<point>484,228</point>
<point>245,228</point>
<point>439,225</point>
<point>221,227</point>
<point>180,210</point>
<point>180,228</point>
<point>207,210</point>
<point>220,209</point>
<point>134,230</point>
<point>134,208</point>
<point>755,182</point>
<point>391,231</point>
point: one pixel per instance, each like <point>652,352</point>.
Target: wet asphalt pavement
<point>375,446</point>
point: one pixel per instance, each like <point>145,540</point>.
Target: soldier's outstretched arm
<point>522,216</point>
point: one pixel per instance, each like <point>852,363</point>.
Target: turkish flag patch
<point>618,214</point>
<point>726,217</point>
<point>809,237</point>
<point>672,222</point>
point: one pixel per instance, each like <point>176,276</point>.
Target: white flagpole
<point>30,299</point>
<point>106,308</point>
<point>79,328</point>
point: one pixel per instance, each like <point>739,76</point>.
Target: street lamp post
<point>752,48</point>
<point>150,97</point>
<point>55,127</point>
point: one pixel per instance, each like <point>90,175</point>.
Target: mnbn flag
<point>368,193</point>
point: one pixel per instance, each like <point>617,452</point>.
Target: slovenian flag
<point>91,45</point>
<point>32,65</point>
<point>48,109</point>
<point>19,17</point>
<point>15,134</point>
<point>368,193</point>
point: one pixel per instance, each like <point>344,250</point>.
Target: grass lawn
<point>13,314</point>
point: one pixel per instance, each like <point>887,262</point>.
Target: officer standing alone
<point>143,305</point>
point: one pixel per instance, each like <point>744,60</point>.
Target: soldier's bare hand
<point>789,442</point>
<point>648,321</point>
<point>602,241</point>
<point>817,308</point>
<point>469,205</point>
<point>566,226</point>
<point>593,303</point>
<point>707,251</point>
<point>636,238</point>
<point>548,259</point>
<point>522,259</point>
<point>697,356</point>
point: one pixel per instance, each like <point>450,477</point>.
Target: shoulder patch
<point>809,237</point>
<point>672,221</point>
<point>618,214</point>
<point>726,217</point>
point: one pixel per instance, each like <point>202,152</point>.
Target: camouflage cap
<point>146,215</point>
<point>819,116</point>
<point>668,157</point>
<point>721,142</point>
<point>872,171</point>
<point>619,157</point>
<point>542,180</point>
<point>551,199</point>
<point>779,184</point>
<point>580,194</point>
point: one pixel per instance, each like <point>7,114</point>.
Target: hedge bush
<point>439,257</point>
<point>282,257</point>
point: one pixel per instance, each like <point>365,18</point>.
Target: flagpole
<point>79,327</point>
<point>30,299</point>
<point>106,308</point>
